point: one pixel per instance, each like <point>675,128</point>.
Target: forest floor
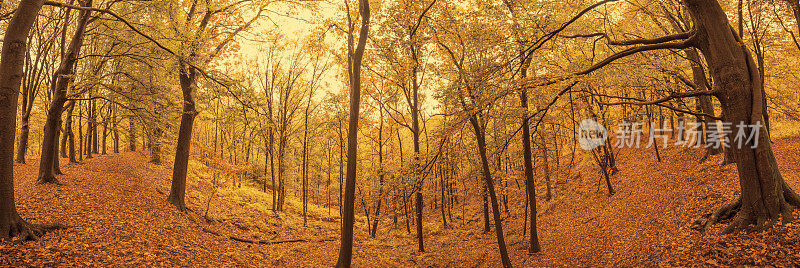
<point>116,210</point>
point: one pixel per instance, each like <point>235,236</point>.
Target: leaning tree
<point>765,196</point>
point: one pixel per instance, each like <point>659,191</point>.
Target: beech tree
<point>473,69</point>
<point>36,69</point>
<point>355,55</point>
<point>62,79</point>
<point>12,60</point>
<point>206,17</point>
<point>406,72</point>
<point>765,197</point>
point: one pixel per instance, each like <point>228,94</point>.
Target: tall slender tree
<point>355,55</point>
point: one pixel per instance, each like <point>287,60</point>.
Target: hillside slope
<point>117,215</point>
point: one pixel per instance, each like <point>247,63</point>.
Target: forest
<point>399,133</point>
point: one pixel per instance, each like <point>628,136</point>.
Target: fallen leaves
<point>116,217</point>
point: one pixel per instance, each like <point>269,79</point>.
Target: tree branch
<point>638,49</point>
<point>676,95</point>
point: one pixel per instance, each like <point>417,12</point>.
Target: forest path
<point>116,210</point>
<point>117,216</point>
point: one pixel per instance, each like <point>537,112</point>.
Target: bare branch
<point>676,95</point>
<point>637,41</point>
<point>638,49</point>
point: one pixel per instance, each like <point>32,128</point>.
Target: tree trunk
<point>70,134</point>
<point>480,136</point>
<point>442,188</point>
<point>795,5</point>
<point>704,102</point>
<point>419,222</point>
<point>346,244</point>
<point>11,61</point>
<point>765,196</point>
<point>64,137</point>
<point>89,125</point>
<point>80,133</point>
<point>178,188</point>
<point>281,170</point>
<point>95,139</point>
<point>546,167</point>
<point>56,165</point>
<point>115,131</point>
<point>67,132</point>
<point>605,167</point>
<point>527,159</point>
<point>405,211</point>
<point>29,91</point>
<point>485,196</point>
<point>24,133</point>
<point>48,164</point>
<point>105,136</point>
<point>131,134</point>
<point>305,159</point>
<point>272,168</point>
<point>155,145</point>
<point>380,175</point>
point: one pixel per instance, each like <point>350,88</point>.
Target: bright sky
<point>296,25</point>
<point>293,24</point>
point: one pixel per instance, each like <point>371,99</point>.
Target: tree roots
<point>25,231</point>
<point>744,219</point>
<point>48,179</point>
<point>723,213</point>
<point>177,202</point>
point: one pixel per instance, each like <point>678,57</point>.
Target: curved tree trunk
<point>11,62</point>
<point>795,4</point>
<point>765,197</point>
<point>704,102</point>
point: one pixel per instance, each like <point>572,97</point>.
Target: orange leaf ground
<point>117,215</point>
